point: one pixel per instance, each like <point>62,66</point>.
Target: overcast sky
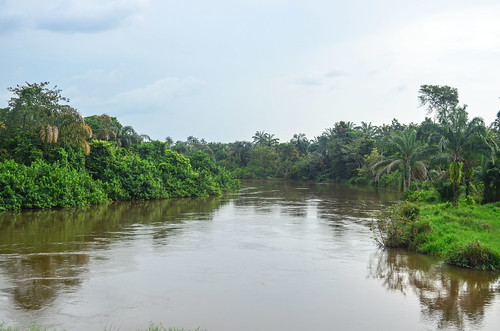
<point>224,69</point>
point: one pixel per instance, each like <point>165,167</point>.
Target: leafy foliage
<point>43,185</point>
<point>474,255</point>
<point>50,156</point>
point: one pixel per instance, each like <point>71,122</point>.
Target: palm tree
<point>265,139</point>
<point>368,129</point>
<point>193,141</point>
<point>272,140</point>
<point>407,156</point>
<point>145,137</point>
<point>259,137</point>
<point>301,142</point>
<point>127,136</point>
<point>464,143</point>
<point>49,134</point>
<point>342,129</point>
<point>321,144</point>
<point>73,128</point>
<point>329,133</point>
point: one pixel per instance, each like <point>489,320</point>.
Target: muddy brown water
<point>273,256</point>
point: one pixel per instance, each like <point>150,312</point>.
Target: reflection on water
<point>292,254</point>
<point>342,202</point>
<point>449,297</point>
<point>45,252</point>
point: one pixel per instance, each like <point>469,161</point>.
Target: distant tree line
<point>448,152</point>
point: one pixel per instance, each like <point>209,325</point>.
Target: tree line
<point>448,153</point>
<point>51,156</point>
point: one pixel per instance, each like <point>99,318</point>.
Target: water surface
<point>274,256</point>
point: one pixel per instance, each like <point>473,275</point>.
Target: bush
<point>399,227</point>
<point>468,201</point>
<point>408,210</point>
<point>473,255</point>
<point>43,185</point>
<point>420,196</point>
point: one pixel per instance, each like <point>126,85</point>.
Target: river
<point>273,256</point>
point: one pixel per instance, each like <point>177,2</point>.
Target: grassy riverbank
<point>467,236</point>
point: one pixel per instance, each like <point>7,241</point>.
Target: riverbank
<point>466,236</point>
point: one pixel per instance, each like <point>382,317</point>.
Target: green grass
<point>458,226</point>
<point>466,236</point>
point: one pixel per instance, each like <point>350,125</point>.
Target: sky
<point>223,69</point>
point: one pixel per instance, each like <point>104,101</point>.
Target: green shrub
<point>468,201</point>
<point>43,185</point>
<point>408,210</point>
<point>420,196</point>
<point>399,226</point>
<point>473,255</point>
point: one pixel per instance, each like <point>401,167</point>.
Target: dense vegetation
<point>50,156</point>
<point>450,152</point>
<point>455,155</point>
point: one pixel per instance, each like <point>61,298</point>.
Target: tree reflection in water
<point>449,297</point>
<point>45,252</point>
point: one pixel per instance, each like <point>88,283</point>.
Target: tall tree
<point>33,105</point>
<point>440,100</point>
<point>35,116</point>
